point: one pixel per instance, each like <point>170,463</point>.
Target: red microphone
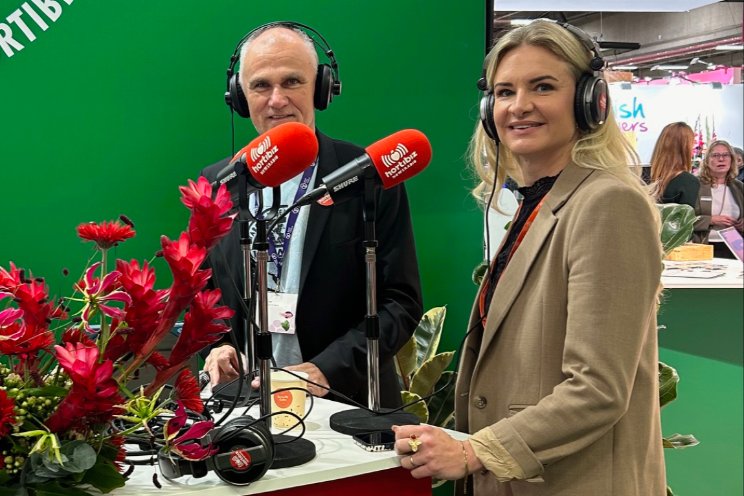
<point>396,158</point>
<point>274,157</point>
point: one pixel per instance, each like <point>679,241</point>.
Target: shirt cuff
<point>494,456</point>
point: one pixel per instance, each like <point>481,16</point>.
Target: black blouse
<point>532,197</point>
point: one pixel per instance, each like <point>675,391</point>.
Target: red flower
<point>202,325</point>
<point>94,393</point>
<point>105,234</point>
<point>208,222</point>
<point>97,292</point>
<point>187,445</point>
<point>187,391</point>
<point>7,413</point>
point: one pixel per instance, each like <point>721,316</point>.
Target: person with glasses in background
<point>721,200</point>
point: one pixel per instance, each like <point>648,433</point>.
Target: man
<point>321,266</point>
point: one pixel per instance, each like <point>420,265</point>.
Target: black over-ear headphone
<point>327,83</point>
<point>245,452</point>
<point>591,101</point>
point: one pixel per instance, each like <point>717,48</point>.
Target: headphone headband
<point>327,82</point>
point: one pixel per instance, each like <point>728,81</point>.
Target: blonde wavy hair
<point>705,176</point>
<point>604,148</point>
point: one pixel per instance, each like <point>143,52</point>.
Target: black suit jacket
<point>332,300</point>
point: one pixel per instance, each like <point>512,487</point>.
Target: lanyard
<point>275,255</point>
<point>517,242</point>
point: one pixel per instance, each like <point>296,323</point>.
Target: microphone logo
<point>399,160</point>
<point>264,145</point>
<point>395,155</point>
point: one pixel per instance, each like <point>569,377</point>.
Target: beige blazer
<point>565,373</point>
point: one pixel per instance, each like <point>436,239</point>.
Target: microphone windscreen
<point>400,156</point>
<point>280,153</point>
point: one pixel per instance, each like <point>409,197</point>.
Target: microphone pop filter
<point>400,156</point>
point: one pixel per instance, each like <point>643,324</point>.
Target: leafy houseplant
<point>65,408</point>
<point>423,372</point>
<point>677,223</point>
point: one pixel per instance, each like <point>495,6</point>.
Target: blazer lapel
<point>318,214</point>
<point>515,273</point>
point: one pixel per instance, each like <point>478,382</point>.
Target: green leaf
<point>104,476</point>
<point>668,380</point>
<point>677,223</point>
<point>47,391</point>
<point>680,441</point>
<point>429,373</point>
<point>428,333</point>
<point>54,488</point>
<point>479,271</point>
<point>405,360</point>
<point>80,456</point>
<point>419,408</point>
<point>442,404</point>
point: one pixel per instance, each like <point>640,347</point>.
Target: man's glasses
<point>720,155</point>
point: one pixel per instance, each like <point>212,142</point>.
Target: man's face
<point>278,74</point>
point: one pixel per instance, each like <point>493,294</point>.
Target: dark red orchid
<point>208,222</point>
<point>7,414</point>
<point>106,234</point>
<point>187,445</point>
<point>188,392</point>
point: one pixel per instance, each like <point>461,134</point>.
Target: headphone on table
<point>591,100</point>
<point>327,83</point>
<point>245,452</point>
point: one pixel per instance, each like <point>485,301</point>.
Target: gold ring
<point>414,443</point>
<point>413,465</point>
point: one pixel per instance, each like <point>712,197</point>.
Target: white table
<point>715,273</point>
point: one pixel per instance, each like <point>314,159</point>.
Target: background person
<point>671,166</point>
<point>721,202</point>
<point>557,382</point>
<point>323,268</point>
<point>739,162</point>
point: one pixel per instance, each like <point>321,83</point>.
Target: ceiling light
<point>624,67</point>
<point>730,47</point>
<point>520,22</point>
<point>668,67</point>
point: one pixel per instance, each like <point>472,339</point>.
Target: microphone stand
<point>289,451</point>
<point>358,420</point>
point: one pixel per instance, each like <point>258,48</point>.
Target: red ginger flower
<point>106,234</point>
<point>7,414</point>
<point>94,393</point>
<point>188,392</point>
<point>208,222</point>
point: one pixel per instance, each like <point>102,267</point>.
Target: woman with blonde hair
<point>721,201</point>
<point>557,383</point>
<point>671,163</point>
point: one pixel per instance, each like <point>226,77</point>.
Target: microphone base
<point>298,452</point>
<point>357,420</point>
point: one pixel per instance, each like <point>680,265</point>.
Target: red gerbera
<point>7,413</point>
<point>106,234</point>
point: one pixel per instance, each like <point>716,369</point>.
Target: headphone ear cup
<point>245,451</point>
<point>591,102</point>
<point>235,98</point>
<point>486,115</point>
<point>323,87</point>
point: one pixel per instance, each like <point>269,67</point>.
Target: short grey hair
<point>309,43</point>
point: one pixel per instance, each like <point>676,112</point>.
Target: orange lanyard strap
<point>522,233</point>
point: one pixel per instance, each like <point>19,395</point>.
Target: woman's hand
<point>437,454</point>
<point>722,220</point>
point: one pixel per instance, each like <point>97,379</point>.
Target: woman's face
<point>533,105</point>
<point>719,161</point>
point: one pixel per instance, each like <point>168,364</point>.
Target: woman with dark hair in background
<point>671,163</point>
<point>557,384</point>
<point>721,201</point>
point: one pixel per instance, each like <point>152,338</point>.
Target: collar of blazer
<point>512,279</point>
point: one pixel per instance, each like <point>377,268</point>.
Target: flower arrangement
<point>65,407</point>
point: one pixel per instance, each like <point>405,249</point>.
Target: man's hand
<point>315,375</point>
<point>222,364</point>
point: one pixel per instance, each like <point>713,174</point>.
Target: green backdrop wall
<point>117,103</point>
